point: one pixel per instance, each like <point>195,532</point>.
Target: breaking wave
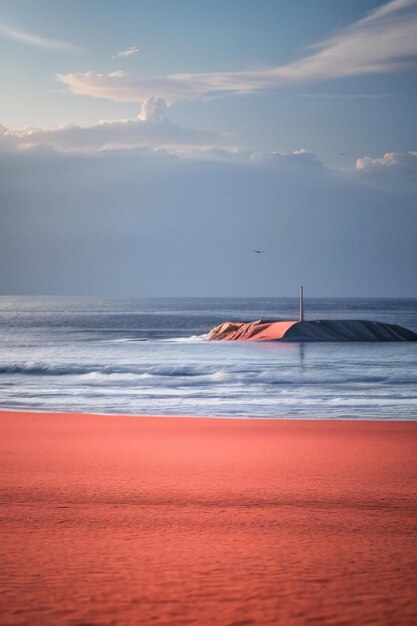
<point>42,369</point>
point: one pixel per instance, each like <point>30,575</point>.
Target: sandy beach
<point>135,520</point>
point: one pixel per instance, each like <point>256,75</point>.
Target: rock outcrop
<point>260,330</point>
<point>315,331</point>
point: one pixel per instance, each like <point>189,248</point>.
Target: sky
<point>146,148</point>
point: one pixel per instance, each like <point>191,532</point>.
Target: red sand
<point>127,521</point>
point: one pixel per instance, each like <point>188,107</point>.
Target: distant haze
<point>145,224</point>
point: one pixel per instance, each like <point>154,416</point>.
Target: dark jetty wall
<point>348,330</point>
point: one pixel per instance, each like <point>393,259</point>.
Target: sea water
<point>149,356</point>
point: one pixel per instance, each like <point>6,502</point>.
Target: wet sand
<point>129,521</point>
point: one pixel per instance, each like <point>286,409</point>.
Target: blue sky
<point>357,115</point>
<point>229,84</point>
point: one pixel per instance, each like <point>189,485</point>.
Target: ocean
<point>149,357</point>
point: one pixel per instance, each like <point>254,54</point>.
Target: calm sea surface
<point>148,356</point>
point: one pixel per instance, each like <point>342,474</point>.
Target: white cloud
<point>389,160</point>
<point>154,110</point>
<point>392,166</point>
<point>383,41</point>
<point>123,87</point>
<point>126,53</point>
<point>352,96</point>
<point>152,129</point>
<point>30,39</point>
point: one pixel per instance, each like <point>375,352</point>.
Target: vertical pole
<point>301,305</point>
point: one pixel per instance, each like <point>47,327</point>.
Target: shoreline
<point>209,417</point>
<point>137,519</point>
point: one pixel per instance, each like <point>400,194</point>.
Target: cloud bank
<point>152,129</point>
<point>383,41</point>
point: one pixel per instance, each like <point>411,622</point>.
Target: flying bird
<point>258,251</point>
<point>342,154</point>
